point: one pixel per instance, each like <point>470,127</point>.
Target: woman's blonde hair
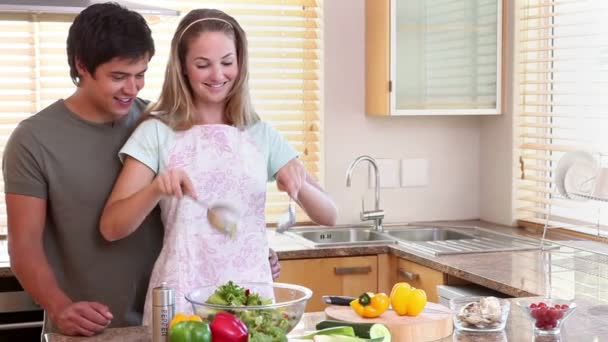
<point>175,106</point>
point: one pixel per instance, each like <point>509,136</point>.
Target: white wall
<point>451,144</point>
<point>497,144</point>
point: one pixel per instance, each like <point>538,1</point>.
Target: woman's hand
<point>291,177</point>
<point>307,192</point>
<point>275,266</point>
<point>174,182</point>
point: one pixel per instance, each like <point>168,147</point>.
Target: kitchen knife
<point>337,300</point>
<point>345,300</point>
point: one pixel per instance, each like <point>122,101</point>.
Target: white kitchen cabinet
<point>440,57</point>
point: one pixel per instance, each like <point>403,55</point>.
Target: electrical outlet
<point>414,172</point>
<point>389,173</point>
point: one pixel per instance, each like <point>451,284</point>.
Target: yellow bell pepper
<point>399,295</point>
<point>370,305</point>
<point>407,300</point>
<point>180,317</point>
<point>416,302</point>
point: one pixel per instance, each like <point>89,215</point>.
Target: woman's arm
<point>132,199</point>
<point>318,205</point>
<point>135,193</point>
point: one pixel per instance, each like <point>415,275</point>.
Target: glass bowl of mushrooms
<point>480,313</point>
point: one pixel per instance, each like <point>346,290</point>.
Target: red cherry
<point>552,313</point>
<point>534,313</point>
<point>565,307</point>
<point>542,305</point>
<point>533,305</point>
<point>557,306</point>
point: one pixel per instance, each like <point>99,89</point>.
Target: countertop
<point>567,272</point>
<point>584,325</point>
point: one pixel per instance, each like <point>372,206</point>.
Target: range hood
<point>73,7</point>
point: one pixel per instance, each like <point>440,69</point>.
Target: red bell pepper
<point>226,327</point>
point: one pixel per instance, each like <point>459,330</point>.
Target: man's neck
<point>78,104</point>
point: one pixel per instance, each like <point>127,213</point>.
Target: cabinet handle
<point>13,326</point>
<point>408,275</point>
<point>352,270</point>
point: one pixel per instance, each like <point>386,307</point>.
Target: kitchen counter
<point>583,325</point>
<point>588,323</point>
<point>567,272</point>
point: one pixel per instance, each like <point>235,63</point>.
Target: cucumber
<point>363,330</point>
<point>341,330</point>
<point>380,331</point>
<point>341,338</point>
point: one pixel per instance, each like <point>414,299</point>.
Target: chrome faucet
<point>377,215</point>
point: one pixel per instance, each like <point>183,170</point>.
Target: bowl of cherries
<point>548,314</point>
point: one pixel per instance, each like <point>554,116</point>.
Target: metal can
<point>163,309</point>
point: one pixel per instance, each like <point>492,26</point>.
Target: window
<point>285,71</point>
<point>562,106</point>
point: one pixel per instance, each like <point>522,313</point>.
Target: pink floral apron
<point>225,165</point>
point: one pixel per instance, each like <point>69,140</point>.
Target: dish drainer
<point>594,205</point>
<point>595,222</point>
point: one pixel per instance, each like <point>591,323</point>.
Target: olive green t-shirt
<point>73,163</point>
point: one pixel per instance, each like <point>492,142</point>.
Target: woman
<point>204,140</point>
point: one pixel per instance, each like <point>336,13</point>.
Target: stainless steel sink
<point>427,234</point>
<point>444,240</point>
<point>341,236</point>
<point>434,240</point>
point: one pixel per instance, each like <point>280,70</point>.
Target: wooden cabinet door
<point>420,277</point>
<point>346,276</point>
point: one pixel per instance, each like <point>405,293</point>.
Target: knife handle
<point>337,300</point>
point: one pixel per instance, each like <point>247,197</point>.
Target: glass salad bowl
<point>282,308</point>
<point>548,314</point>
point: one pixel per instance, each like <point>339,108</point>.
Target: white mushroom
<point>490,308</point>
<point>483,314</point>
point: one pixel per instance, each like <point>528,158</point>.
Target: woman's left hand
<point>275,266</point>
<point>291,177</point>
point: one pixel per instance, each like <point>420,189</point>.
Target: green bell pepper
<point>190,331</point>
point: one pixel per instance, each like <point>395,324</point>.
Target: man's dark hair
<point>105,31</point>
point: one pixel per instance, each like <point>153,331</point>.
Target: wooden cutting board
<point>434,323</point>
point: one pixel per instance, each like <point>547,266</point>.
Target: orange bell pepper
<point>370,305</point>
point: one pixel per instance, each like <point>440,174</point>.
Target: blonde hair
<point>175,105</point>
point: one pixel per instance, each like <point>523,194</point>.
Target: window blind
<point>285,45</point>
<point>448,54</point>
<point>563,78</point>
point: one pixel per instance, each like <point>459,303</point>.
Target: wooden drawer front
<point>348,276</point>
<point>420,277</point>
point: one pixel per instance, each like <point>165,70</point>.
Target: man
<point>59,167</point>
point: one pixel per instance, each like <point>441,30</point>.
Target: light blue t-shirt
<point>152,140</point>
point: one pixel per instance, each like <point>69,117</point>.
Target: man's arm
<point>26,218</point>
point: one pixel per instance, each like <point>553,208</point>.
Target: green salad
<point>265,325</point>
